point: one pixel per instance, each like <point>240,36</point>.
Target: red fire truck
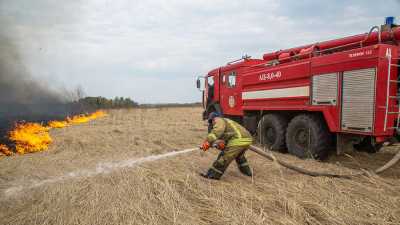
<point>305,99</point>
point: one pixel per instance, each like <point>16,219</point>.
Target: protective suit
<point>237,140</point>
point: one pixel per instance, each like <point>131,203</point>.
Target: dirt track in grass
<point>72,182</point>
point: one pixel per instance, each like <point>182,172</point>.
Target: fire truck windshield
<point>210,81</point>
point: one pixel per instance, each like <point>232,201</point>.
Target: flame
<point>35,137</point>
<point>30,137</point>
<point>78,119</point>
<point>5,150</point>
<point>57,124</point>
<point>97,114</point>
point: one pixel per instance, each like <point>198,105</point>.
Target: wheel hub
<point>270,135</point>
<point>302,138</point>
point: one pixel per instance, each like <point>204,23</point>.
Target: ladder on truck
<point>388,97</point>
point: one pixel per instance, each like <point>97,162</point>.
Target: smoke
<point>24,98</point>
<point>17,85</point>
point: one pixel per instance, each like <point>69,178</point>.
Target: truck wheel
<point>366,145</point>
<point>308,137</point>
<point>271,131</point>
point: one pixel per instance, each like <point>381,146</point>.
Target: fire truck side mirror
<point>198,83</point>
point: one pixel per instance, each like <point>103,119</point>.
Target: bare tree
<point>80,92</point>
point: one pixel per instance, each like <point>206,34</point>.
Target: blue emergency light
<point>389,20</point>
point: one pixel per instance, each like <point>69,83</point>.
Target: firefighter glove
<point>219,144</point>
<point>205,146</point>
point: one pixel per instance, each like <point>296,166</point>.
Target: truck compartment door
<point>358,100</point>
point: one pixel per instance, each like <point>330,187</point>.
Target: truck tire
<point>271,131</point>
<point>308,137</point>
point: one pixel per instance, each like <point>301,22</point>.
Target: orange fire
<point>57,124</point>
<point>97,114</point>
<point>5,150</point>
<point>85,118</point>
<point>30,137</point>
<point>35,137</point>
<point>78,119</point>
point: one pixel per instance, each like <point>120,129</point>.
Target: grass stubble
<point>169,191</point>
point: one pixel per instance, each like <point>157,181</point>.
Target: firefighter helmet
<point>212,116</point>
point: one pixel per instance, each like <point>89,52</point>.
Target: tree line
<point>104,103</point>
<point>121,102</point>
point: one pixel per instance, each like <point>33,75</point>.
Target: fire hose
<point>268,154</point>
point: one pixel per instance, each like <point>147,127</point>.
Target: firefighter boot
<point>243,165</point>
<point>209,175</point>
<point>216,171</point>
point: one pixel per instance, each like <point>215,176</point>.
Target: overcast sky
<point>152,51</point>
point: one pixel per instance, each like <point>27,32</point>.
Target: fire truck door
<point>231,100</point>
<point>209,93</point>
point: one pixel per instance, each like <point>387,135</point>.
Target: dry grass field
<point>91,175</point>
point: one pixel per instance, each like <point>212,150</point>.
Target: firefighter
<point>237,140</point>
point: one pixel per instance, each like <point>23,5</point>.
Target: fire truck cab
<point>223,87</point>
<point>305,99</point>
